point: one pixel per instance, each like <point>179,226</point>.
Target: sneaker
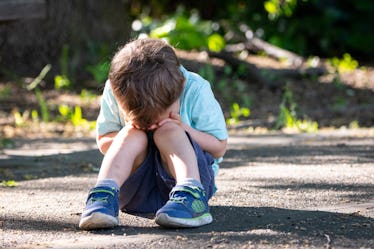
<point>187,207</point>
<point>101,209</point>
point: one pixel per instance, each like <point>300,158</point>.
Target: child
<point>162,133</point>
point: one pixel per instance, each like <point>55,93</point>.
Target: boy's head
<point>146,80</point>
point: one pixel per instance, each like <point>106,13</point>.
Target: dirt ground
<point>331,101</point>
<point>275,191</point>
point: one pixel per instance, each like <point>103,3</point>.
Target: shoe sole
<point>98,221</point>
<point>167,221</point>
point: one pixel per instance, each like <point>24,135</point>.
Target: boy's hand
<point>173,117</point>
<point>132,124</point>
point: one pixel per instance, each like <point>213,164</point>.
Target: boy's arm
<point>104,141</point>
<point>209,143</point>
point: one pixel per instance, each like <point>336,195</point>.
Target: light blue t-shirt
<point>198,109</point>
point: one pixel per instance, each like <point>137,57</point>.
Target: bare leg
<point>127,152</point>
<point>177,153</point>
<point>187,205</point>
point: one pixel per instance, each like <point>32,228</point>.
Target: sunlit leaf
<point>271,7</point>
<point>9,183</point>
<point>216,42</point>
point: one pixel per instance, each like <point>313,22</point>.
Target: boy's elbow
<point>104,141</point>
<point>221,150</point>
<point>103,147</point>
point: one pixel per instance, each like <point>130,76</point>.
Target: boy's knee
<point>169,129</point>
<point>130,133</point>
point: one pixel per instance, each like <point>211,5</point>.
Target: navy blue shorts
<point>148,188</point>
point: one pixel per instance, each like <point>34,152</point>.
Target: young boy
<point>162,133</point>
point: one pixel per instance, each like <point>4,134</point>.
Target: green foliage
<point>74,116</point>
<point>276,8</point>
<point>5,92</point>
<point>35,116</point>
<point>320,27</point>
<point>236,113</point>
<point>231,90</point>
<point>62,82</point>
<point>229,87</point>
<point>9,184</point>
<point>346,64</point>
<point>77,118</point>
<point>98,65</point>
<point>20,118</point>
<point>207,73</point>
<point>43,105</point>
<point>354,125</point>
<point>64,60</point>
<point>216,42</point>
<point>99,71</point>
<point>39,96</point>
<point>288,117</point>
<point>307,27</point>
<point>184,32</point>
<point>86,95</point>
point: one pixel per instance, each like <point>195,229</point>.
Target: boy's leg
<point>188,203</point>
<point>128,150</point>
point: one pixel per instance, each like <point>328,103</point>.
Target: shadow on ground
<point>240,224</point>
<point>51,157</point>
<point>299,154</point>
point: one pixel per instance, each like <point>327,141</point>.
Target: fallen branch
<point>255,44</point>
<point>253,70</point>
<point>268,76</point>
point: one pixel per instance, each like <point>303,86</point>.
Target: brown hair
<point>145,79</point>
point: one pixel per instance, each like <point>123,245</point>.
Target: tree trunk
<point>82,26</point>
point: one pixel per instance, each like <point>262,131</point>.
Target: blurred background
<point>274,65</point>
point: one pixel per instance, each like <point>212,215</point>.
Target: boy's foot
<point>187,207</point>
<point>101,209</point>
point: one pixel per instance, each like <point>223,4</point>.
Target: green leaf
<point>62,82</point>
<point>271,7</point>
<point>64,110</point>
<point>216,42</point>
<point>9,183</point>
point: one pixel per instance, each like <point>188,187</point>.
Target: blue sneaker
<point>101,209</point>
<point>187,207</point>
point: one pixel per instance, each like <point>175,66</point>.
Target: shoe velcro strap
<point>102,191</point>
<point>194,191</point>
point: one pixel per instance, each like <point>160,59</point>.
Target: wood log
<point>253,71</point>
<point>257,45</point>
<point>270,77</point>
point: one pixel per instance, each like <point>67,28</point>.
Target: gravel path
<point>275,191</point>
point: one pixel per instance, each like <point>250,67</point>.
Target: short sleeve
<point>109,119</point>
<point>207,115</point>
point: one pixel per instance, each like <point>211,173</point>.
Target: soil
<point>274,191</point>
<point>346,102</point>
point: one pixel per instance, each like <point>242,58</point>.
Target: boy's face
<point>174,108</point>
